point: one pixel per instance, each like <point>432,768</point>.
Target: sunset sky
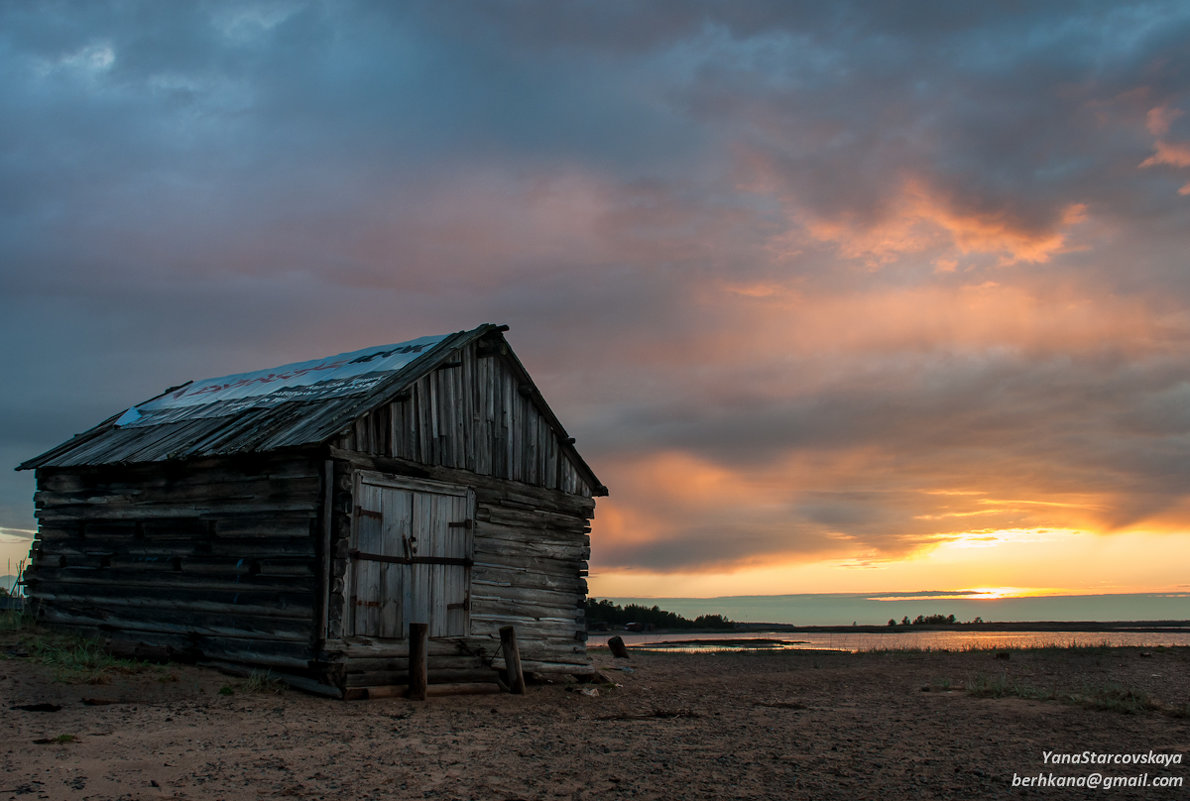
<point>835,297</point>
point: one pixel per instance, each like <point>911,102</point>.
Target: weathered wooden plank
<point>535,596</point>
<point>490,609</point>
<point>554,650</point>
<point>576,537</point>
<point>222,623</point>
<point>558,565</point>
<point>544,623</point>
<point>291,651</point>
<point>265,525</point>
<point>492,581</point>
<point>554,572</point>
<point>124,574</point>
<point>363,647</point>
<point>173,508</point>
<point>537,518</point>
<point>240,557</point>
<point>66,513</point>
<point>223,487</point>
<point>440,658</point>
<point>192,472</point>
<point>489,489</point>
<point>182,600</point>
<point>532,540</point>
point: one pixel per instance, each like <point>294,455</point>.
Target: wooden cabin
<point>299,519</point>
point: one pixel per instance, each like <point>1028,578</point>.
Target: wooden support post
<point>512,660</point>
<point>617,647</point>
<point>418,633</point>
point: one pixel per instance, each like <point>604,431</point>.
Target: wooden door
<point>410,560</point>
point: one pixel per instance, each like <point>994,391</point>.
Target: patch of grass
<point>61,739</point>
<point>263,681</point>
<point>80,660</point>
<point>13,621</point>
<point>73,658</point>
<point>1070,648</point>
<point>1110,697</point>
<point>1115,697</point>
<point>984,686</point>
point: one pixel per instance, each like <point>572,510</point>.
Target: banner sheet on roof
<point>333,376</point>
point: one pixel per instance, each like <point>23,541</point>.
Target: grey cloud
<point>246,185</point>
<point>730,544</point>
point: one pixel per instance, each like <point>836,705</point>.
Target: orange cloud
<point>714,517</point>
<point>673,479</point>
<point>1013,562</point>
<point>679,502</point>
<point>923,219</point>
<point>1025,318</point>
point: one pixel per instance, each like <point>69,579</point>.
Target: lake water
<point>878,641</point>
<point>876,609</point>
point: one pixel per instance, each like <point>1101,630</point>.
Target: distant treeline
<point>930,620</point>
<point>601,614</point>
<point>613,615</point>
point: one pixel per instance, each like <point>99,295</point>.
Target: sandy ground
<point>792,725</point>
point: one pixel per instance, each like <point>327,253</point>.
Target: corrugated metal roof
<point>296,404</point>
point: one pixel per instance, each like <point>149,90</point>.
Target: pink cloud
<point>1166,153</point>
<point>923,219</point>
<point>912,217</point>
<point>1160,118</point>
<point>1175,154</point>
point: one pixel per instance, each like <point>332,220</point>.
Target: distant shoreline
<point>1142,626</point>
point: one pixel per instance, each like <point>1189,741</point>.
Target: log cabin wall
<point>214,558</point>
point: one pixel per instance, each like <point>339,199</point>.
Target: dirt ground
<point>788,725</point>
